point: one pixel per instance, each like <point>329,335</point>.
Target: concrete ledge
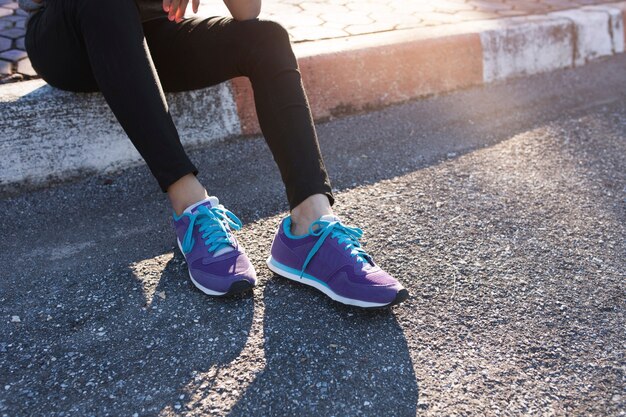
<point>367,71</point>
<point>615,14</point>
<point>592,29</point>
<point>526,46</point>
<point>51,134</point>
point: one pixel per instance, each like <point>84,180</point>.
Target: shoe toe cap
<point>220,275</point>
<point>374,287</point>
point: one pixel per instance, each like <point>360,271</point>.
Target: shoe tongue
<point>209,202</point>
<point>329,218</point>
<point>224,249</point>
<point>325,218</point>
<point>333,218</point>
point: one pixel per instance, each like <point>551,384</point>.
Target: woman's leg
<point>199,52</point>
<point>91,45</point>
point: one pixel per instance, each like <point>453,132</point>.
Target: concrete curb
<point>49,134</point>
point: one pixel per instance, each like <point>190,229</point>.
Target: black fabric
<point>95,45</point>
<point>151,9</point>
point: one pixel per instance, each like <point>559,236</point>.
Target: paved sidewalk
<point>313,20</point>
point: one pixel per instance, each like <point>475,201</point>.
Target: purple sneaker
<point>217,264</point>
<point>330,258</point>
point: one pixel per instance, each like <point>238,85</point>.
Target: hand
<point>175,9</point>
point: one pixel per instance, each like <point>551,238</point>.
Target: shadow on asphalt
<point>329,359</point>
<point>106,348</point>
<point>129,333</point>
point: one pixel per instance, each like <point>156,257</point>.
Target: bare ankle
<point>305,213</point>
<point>185,192</point>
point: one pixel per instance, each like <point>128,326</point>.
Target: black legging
<point>99,45</point>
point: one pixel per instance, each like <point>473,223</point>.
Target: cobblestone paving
<point>310,20</point>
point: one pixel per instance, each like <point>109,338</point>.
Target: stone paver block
<point>411,25</point>
<point>299,20</point>
<point>414,7</point>
<point>13,55</point>
<point>316,32</point>
<point>353,18</point>
<point>490,6</point>
<point>285,8</point>
<point>451,7</point>
<point>437,18</point>
<point>5,43</point>
<point>511,13</point>
<point>6,24</point>
<point>19,44</point>
<point>24,67</point>
<point>370,28</point>
<point>335,26</point>
<point>529,6</point>
<point>467,15</point>
<point>323,8</point>
<point>407,18</point>
<point>14,18</point>
<point>561,4</point>
<point>4,11</point>
<point>5,67</point>
<point>13,33</point>
<point>369,7</point>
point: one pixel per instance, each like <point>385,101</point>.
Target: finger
<point>181,10</point>
<point>195,5</point>
<point>166,5</point>
<point>173,9</point>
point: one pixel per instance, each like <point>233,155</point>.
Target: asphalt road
<point>502,210</point>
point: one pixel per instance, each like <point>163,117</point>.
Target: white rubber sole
<point>274,266</point>
<point>198,286</point>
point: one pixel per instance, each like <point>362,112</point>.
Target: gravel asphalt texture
<point>502,209</point>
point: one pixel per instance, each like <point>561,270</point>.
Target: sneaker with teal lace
<point>331,259</point>
<point>217,264</point>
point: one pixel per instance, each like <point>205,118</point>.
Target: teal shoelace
<point>341,232</point>
<point>215,224</point>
